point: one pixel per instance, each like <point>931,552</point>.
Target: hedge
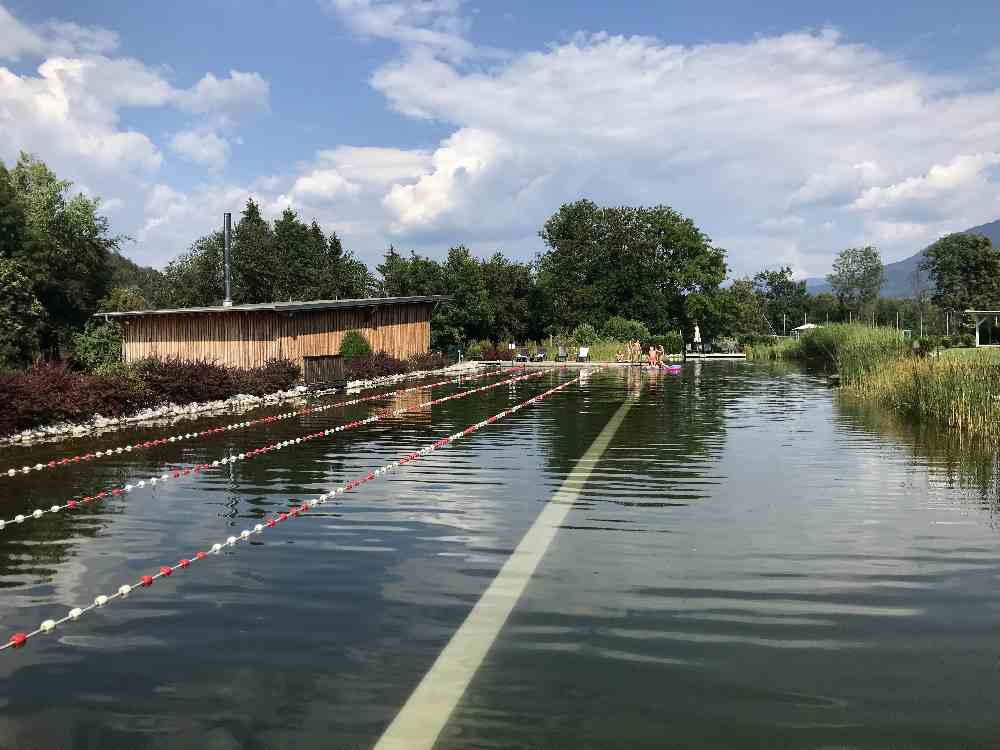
<point>51,393</point>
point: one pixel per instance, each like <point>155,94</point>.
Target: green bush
<point>617,328</point>
<point>475,349</point>
<point>98,348</point>
<point>354,346</point>
<point>584,335</point>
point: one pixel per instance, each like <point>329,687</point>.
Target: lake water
<point>752,563</point>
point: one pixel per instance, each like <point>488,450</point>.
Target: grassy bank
<point>960,388</point>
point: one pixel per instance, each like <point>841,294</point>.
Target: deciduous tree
<point>857,277</point>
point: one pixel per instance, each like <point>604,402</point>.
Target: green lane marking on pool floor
<point>423,716</point>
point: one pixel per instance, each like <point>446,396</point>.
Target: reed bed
<point>963,393</point>
<point>959,388</point>
<point>851,350</point>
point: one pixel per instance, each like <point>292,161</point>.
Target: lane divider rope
<point>146,444</point>
<point>194,470</point>
<point>21,638</point>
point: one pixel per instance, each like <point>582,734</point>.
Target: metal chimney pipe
<point>227,234</point>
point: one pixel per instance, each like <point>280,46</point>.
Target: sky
<point>787,131</point>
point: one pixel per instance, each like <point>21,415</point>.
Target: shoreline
<point>167,414</point>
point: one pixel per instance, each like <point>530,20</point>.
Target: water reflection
<point>954,461</point>
<point>752,563</point>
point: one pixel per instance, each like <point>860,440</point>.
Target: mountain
<point>898,279</point>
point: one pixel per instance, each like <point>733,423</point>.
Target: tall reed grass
<point>851,350</point>
<point>877,365</point>
<point>963,393</point>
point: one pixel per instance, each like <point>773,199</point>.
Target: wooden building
<point>308,333</point>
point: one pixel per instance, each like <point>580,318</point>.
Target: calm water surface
<point>752,564</point>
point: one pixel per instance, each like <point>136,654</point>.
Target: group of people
<point>632,353</point>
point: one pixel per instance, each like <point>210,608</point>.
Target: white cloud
<point>428,23</point>
<point>762,141</point>
<point>959,174</point>
<point>892,232</point>
<point>732,134</point>
<point>780,224</point>
<point>837,184</point>
<point>52,114</point>
<point>203,147</point>
<point>239,94</point>
<point>377,165</point>
<point>324,184</point>
<point>18,40</point>
<point>455,168</point>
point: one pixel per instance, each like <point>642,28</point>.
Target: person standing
<point>697,338</point>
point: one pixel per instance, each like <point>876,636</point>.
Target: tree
<point>509,286</point>
<point>742,309</point>
<point>785,301</point>
<point>824,307</point>
<point>64,250</point>
<point>256,267</point>
<point>196,277</point>
<point>857,277</point>
<point>290,261</point>
<point>965,270</point>
<point>469,314</point>
<point>405,277</point>
<point>12,221</point>
<point>123,299</point>
<point>21,317</point>
<point>641,263</point>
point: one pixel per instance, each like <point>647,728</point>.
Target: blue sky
<point>788,131</point>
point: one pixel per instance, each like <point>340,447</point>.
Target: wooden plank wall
<point>249,339</point>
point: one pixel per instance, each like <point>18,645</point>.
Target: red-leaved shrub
<point>54,393</point>
<point>381,364</point>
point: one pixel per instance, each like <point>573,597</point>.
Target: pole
<point>227,235</point>
<point>784,325</point>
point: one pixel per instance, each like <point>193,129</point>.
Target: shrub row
<point>49,393</point>
<point>381,364</point>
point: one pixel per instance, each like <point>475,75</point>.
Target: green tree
<point>298,257</point>
<point>965,270</point>
<point>290,261</point>
<point>65,249</point>
<point>825,307</point>
<point>857,277</point>
<point>123,299</point>
<point>469,314</point>
<point>257,272</point>
<point>12,220</point>
<point>742,309</point>
<point>785,301</point>
<point>405,277</point>
<point>99,346</point>
<point>509,287</point>
<point>21,317</point>
<point>196,277</point>
<point>641,263</point>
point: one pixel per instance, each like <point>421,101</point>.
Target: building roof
<point>281,307</point>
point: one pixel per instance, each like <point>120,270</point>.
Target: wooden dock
<point>714,355</point>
